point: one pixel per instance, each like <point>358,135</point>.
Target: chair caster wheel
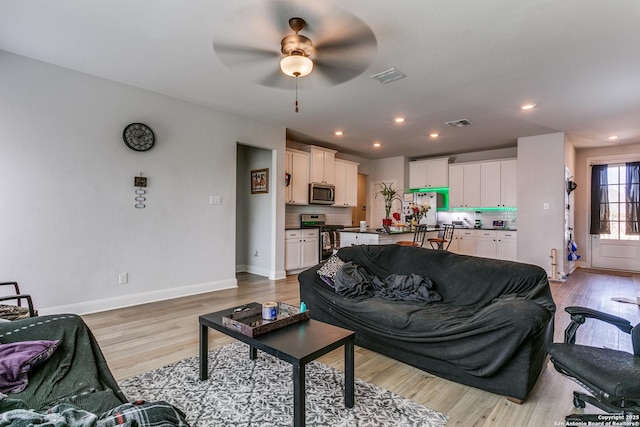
<point>578,403</point>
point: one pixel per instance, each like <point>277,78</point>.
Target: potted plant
<point>389,194</point>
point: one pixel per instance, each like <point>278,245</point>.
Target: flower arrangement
<point>419,210</point>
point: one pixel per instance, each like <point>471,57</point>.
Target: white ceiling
<point>578,60</point>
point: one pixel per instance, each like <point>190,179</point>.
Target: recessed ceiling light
<point>399,120</point>
<point>338,133</point>
<point>376,144</point>
<point>528,106</point>
<point>434,134</point>
<point>613,137</point>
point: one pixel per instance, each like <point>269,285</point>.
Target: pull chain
<point>297,74</point>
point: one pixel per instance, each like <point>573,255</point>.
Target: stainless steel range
<point>329,233</point>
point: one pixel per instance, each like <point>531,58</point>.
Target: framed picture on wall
<point>260,181</point>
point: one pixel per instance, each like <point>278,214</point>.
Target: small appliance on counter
<point>498,223</point>
<point>477,224</point>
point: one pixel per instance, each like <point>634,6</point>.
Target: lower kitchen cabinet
<point>486,245</point>
<point>506,245</point>
<point>301,248</point>
<point>499,244</point>
<point>348,238</point>
<point>464,242</point>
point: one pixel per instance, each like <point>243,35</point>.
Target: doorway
<point>617,246</point>
<point>359,213</point>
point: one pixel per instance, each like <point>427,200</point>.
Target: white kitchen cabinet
<point>349,238</point>
<point>297,165</point>
<point>506,245</point>
<point>429,173</point>
<point>301,248</point>
<point>486,243</point>
<point>322,163</point>
<point>464,185</point>
<point>499,183</point>
<point>353,238</point>
<point>490,184</point>
<point>346,182</point>
<point>464,242</point>
<point>509,183</point>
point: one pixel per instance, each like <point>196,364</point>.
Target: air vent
<point>389,76</point>
<point>458,123</point>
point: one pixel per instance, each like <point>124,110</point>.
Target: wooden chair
<point>444,241</point>
<point>418,237</point>
<point>16,311</point>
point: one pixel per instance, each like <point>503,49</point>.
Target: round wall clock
<point>138,137</point>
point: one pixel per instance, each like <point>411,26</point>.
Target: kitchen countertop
<point>381,231</point>
<point>377,230</point>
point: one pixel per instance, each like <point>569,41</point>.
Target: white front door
<point>615,254</point>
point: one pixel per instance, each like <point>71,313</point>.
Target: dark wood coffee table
<point>297,344</point>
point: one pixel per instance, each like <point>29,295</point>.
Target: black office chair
<point>418,237</point>
<point>443,242</point>
<point>612,377</point>
<point>16,311</point>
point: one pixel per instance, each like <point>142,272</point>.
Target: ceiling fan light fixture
<point>296,65</point>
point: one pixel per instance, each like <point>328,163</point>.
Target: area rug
<point>244,392</point>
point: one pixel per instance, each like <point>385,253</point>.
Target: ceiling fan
<point>343,46</point>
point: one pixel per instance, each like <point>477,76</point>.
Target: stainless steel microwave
<point>321,194</point>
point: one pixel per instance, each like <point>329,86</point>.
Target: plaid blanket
<point>13,413</point>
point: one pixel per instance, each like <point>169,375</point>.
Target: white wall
<point>68,224</point>
<point>541,163</point>
<point>389,170</point>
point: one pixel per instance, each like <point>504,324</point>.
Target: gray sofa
<point>487,331</point>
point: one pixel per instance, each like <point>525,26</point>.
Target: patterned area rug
<point>242,392</point>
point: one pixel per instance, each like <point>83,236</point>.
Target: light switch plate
<point>215,200</point>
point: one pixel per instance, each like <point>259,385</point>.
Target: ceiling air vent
<point>389,76</point>
<point>458,123</point>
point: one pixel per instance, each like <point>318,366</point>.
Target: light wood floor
<point>145,337</point>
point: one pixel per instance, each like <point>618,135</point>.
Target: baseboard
<point>258,271</point>
<point>278,275</point>
<point>139,298</point>
<point>243,268</point>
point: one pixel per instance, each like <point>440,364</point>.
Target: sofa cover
<point>74,377</point>
<point>488,331</point>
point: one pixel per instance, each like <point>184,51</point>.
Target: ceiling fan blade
<point>362,39</point>
<point>236,54</point>
<point>340,73</point>
<point>276,79</point>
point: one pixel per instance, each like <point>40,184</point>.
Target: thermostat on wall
<point>140,181</point>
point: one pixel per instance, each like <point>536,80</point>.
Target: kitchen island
<point>373,236</point>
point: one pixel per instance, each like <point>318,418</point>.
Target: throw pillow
<point>18,358</point>
<point>329,269</point>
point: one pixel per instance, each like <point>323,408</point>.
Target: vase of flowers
<point>389,194</point>
<point>419,211</point>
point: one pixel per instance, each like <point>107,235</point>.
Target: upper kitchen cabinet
<point>346,182</point>
<point>429,173</point>
<point>322,165</point>
<point>297,166</point>
<point>464,185</point>
<point>499,183</point>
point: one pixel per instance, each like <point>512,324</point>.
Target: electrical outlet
<point>215,200</point>
<point>123,278</point>
<point>255,253</point>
